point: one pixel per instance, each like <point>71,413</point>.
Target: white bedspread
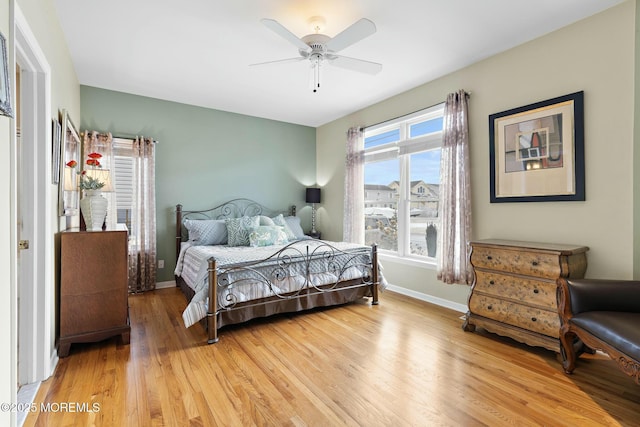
<point>275,277</point>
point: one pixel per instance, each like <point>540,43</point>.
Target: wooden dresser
<point>514,291</point>
<point>93,287</point>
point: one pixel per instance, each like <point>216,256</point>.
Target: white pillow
<point>265,220</point>
<point>279,220</point>
<point>294,224</point>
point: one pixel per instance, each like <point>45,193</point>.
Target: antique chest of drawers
<point>93,293</point>
<point>514,290</point>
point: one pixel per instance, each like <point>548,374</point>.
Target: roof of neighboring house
<point>378,187</point>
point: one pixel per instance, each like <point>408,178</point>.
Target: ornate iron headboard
<point>235,208</point>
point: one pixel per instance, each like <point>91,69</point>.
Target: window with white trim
<point>402,183</point>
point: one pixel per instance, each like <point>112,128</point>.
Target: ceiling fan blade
<point>350,35</point>
<point>354,64</point>
<point>300,58</point>
<point>277,28</point>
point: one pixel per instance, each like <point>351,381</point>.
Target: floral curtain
<point>142,240</point>
<point>455,193</point>
<point>353,223</point>
<point>99,162</point>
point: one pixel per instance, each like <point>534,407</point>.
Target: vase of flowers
<point>93,205</point>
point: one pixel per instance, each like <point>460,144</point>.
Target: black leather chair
<point>601,315</point>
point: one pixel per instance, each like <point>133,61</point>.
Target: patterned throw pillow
<point>267,235</point>
<point>205,232</point>
<point>238,229</point>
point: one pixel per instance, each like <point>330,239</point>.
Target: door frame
<point>37,355</point>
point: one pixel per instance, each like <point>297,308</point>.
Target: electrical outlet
<point>160,263</point>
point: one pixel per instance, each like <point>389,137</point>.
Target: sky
<point>425,166</point>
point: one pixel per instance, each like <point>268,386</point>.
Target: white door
<point>33,222</point>
<point>24,236</point>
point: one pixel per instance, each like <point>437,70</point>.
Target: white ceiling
<point>198,51</point>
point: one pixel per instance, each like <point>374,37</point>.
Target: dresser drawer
<point>528,263</point>
<point>529,318</point>
<point>533,291</point>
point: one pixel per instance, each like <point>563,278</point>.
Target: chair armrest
<point>600,295</point>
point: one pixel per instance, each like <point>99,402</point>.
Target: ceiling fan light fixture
<point>317,47</point>
<point>317,24</point>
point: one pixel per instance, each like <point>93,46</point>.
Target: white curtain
<point>102,143</point>
<point>455,193</point>
<point>353,222</point>
<point>142,240</point>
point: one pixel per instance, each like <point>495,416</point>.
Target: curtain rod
<point>408,114</point>
<point>123,137</point>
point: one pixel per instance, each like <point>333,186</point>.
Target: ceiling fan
<point>319,49</point>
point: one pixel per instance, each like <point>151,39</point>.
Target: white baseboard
<point>166,285</point>
<point>26,397</point>
<point>462,308</point>
<point>53,362</point>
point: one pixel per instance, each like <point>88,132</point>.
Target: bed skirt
<point>243,312</point>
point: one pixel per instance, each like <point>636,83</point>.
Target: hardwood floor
<point>403,362</point>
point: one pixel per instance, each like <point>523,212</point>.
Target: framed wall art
<point>5,87</point>
<point>537,151</point>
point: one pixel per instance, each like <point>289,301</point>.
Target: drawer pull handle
<point>491,282</point>
<point>533,319</point>
<point>489,257</point>
<point>534,263</point>
<point>489,307</point>
<point>535,291</point>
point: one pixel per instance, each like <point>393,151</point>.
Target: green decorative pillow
<point>267,235</point>
<point>238,229</point>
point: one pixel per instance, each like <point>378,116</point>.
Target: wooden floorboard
<point>402,362</point>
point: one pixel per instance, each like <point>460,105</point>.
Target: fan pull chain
<point>316,76</point>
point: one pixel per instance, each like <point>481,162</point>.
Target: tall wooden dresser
<point>514,290</point>
<point>93,287</point>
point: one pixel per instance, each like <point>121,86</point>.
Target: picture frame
<point>536,151</point>
<point>5,87</point>
<point>55,151</point>
<point>68,181</point>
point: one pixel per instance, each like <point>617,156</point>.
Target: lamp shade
<point>313,195</point>
<point>70,182</point>
<point>102,175</point>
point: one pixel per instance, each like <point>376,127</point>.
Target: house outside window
<point>402,184</point>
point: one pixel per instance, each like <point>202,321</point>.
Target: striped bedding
<point>269,278</point>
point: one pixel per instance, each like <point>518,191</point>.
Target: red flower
<point>72,164</point>
<point>94,155</point>
<point>93,162</point>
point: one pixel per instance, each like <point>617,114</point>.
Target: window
<point>123,180</point>
<point>402,183</point>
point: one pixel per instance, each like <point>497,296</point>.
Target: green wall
<point>205,157</point>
